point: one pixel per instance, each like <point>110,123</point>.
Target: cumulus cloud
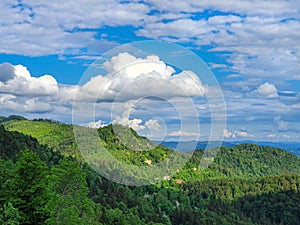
<point>237,134</point>
<point>18,81</point>
<point>7,72</point>
<point>129,77</point>
<point>96,124</point>
<point>20,92</point>
<point>125,120</point>
<point>267,90</point>
<point>153,125</point>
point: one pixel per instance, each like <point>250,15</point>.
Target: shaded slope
<point>12,142</point>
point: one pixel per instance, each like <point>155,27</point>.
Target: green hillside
<point>55,135</point>
<point>246,184</point>
<point>13,142</point>
<point>249,160</point>
<point>244,161</point>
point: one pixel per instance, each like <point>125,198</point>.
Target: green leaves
<point>26,190</point>
<point>9,215</point>
<point>69,202</point>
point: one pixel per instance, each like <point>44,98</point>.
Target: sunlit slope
<point>126,146</point>
<point>55,135</point>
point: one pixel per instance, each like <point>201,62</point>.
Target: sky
<point>252,48</point>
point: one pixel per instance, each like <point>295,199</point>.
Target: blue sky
<point>252,47</point>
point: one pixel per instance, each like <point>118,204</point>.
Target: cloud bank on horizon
<point>252,47</point>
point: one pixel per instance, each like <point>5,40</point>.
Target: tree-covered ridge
<point>55,135</point>
<point>4,119</point>
<point>127,146</point>
<point>13,142</point>
<point>247,184</point>
<point>133,149</point>
<point>249,160</point>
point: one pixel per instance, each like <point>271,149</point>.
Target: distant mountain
<point>293,147</point>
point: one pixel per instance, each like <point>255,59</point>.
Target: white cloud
<point>96,124</point>
<point>153,125</point>
<point>242,134</point>
<point>256,7</point>
<point>272,135</point>
<point>181,133</point>
<point>43,28</point>
<point>31,105</point>
<point>218,66</point>
<point>227,133</point>
<point>259,35</point>
<point>7,72</point>
<point>267,90</point>
<point>182,29</point>
<point>125,120</point>
<point>286,136</point>
<point>21,92</point>
<point>237,134</point>
<point>22,83</point>
<point>133,78</point>
<point>224,19</point>
<point>259,42</point>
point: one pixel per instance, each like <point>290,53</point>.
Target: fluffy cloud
<point>18,81</point>
<point>7,72</point>
<point>227,133</point>
<point>237,134</point>
<point>153,125</point>
<point>133,78</point>
<point>267,90</point>
<point>20,92</point>
<point>96,124</point>
<point>181,133</point>
<point>125,120</point>
<point>259,35</point>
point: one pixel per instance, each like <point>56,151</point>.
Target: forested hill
<point>249,160</point>
<point>245,160</point>
<point>13,142</point>
<point>44,180</point>
<point>55,135</point>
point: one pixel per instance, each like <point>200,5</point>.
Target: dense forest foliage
<point>44,180</point>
